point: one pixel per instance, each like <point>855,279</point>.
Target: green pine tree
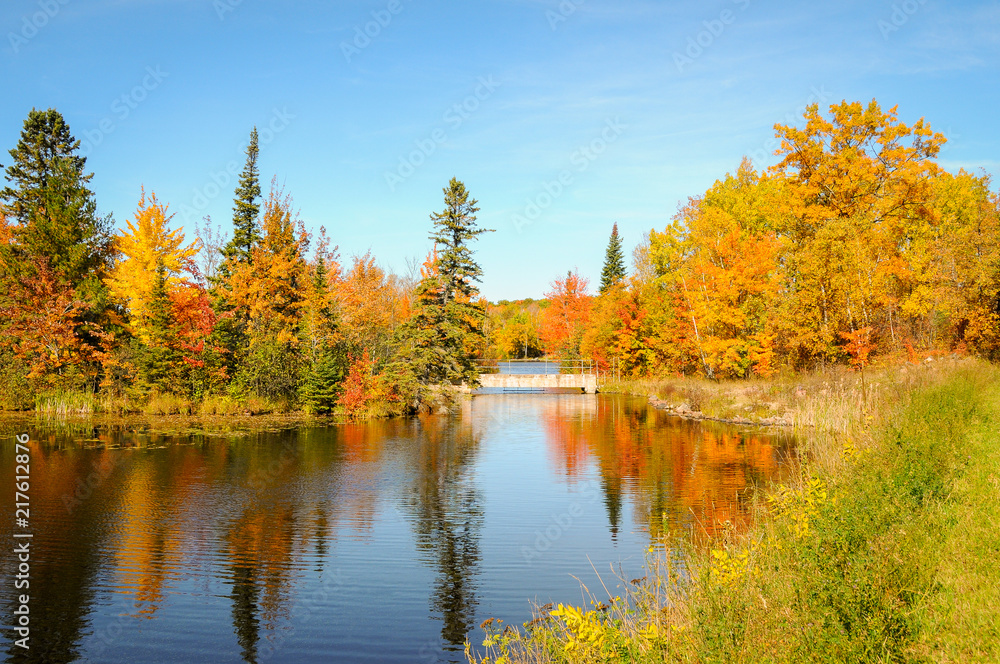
<point>56,227</point>
<point>614,262</point>
<point>246,208</point>
<point>321,381</point>
<point>434,338</point>
<point>54,210</point>
<point>161,365</point>
<point>445,319</point>
<point>327,361</point>
<point>454,228</point>
<point>230,333</point>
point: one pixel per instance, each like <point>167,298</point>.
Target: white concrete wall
<point>586,382</point>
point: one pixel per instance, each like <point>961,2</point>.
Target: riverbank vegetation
<point>881,551</point>
<point>269,321</point>
<point>856,246</point>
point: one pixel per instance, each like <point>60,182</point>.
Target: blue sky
<point>560,117</point>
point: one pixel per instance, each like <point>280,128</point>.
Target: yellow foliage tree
<point>717,264</point>
<point>148,242</point>
<point>860,186</point>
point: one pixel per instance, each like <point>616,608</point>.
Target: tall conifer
<point>445,318</point>
<point>614,262</point>
<point>56,240</point>
<point>246,208</point>
<point>54,210</point>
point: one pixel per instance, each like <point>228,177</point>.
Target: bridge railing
<point>543,365</point>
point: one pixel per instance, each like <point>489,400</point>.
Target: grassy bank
<point>69,403</point>
<point>883,551</point>
<point>827,399</point>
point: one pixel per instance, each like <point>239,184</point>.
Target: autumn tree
<point>614,261</point>
<point>952,277</point>
<point>371,305</point>
<point>718,265</point>
<point>515,329</point>
<point>268,293</point>
<point>617,332</point>
<point>860,184</point>
<point>166,305</point>
<point>566,316</point>
<point>43,318</point>
<point>323,348</point>
<point>147,248</point>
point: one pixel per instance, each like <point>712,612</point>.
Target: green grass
<point>885,550</point>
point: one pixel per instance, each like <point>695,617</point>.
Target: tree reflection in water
<point>676,473</point>
<point>447,514</point>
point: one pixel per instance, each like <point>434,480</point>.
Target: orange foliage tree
<point>268,292</point>
<point>717,265</point>
<point>371,305</point>
<point>43,319</point>
<point>566,316</point>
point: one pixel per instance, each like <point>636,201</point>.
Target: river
<point>386,541</point>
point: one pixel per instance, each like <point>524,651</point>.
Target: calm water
<point>376,542</point>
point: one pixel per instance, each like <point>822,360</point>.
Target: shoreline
<point>880,550</point>
<point>677,411</point>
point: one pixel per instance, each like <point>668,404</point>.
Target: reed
<point>65,403</point>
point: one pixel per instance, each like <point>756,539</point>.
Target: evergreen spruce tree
<point>614,262</point>
<point>55,228</point>
<point>322,380</point>
<point>246,208</point>
<point>437,335</point>
<point>230,333</point>
<point>327,364</point>
<point>453,229</point>
<point>54,210</point>
<point>161,358</point>
<point>434,346</point>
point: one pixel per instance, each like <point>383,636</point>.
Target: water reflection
<point>677,472</point>
<point>447,517</point>
<point>314,543</point>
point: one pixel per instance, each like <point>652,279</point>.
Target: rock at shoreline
<point>684,410</point>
